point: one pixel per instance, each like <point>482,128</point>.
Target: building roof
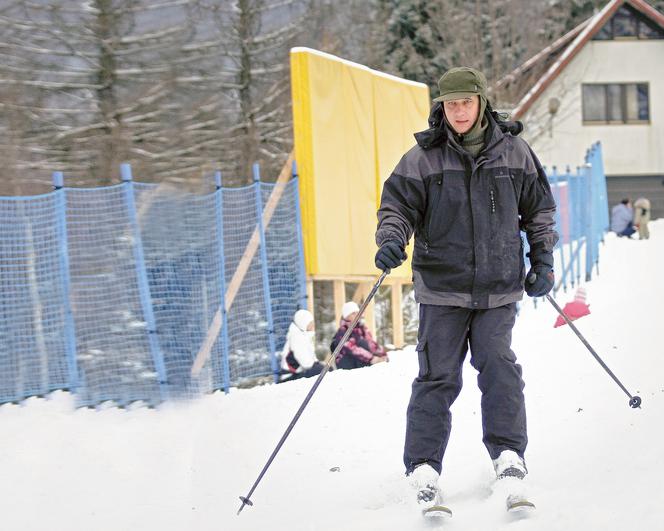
<point>542,69</point>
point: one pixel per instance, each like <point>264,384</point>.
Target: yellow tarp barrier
<point>351,126</point>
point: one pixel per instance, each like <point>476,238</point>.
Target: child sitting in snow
<point>360,349</point>
<point>298,357</point>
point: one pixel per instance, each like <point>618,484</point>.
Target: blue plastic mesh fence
<point>32,346</point>
<point>248,328</point>
<point>114,359</point>
<point>111,291</point>
<point>283,261</point>
<point>181,248</point>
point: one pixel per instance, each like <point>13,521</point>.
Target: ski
<point>437,512</point>
<point>519,504</point>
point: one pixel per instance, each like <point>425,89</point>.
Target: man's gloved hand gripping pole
<point>390,255</point>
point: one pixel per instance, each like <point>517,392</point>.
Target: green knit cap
<point>461,82</point>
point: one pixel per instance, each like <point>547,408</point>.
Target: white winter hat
<point>302,318</point>
<point>348,308</point>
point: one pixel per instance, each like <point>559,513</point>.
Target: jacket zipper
<point>434,201</point>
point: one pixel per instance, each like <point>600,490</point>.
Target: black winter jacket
<point>467,214</point>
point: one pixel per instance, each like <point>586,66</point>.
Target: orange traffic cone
<point>575,309</point>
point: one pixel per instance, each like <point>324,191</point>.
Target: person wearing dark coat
<point>467,191</point>
<point>622,218</point>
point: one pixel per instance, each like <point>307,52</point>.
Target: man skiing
<point>465,191</point>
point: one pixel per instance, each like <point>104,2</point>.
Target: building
<point>601,81</point>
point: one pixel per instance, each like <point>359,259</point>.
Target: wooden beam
<point>369,312</point>
<point>397,316</point>
<point>241,270</point>
<point>310,295</point>
<point>360,278</point>
<point>358,293</point>
<point>339,294</point>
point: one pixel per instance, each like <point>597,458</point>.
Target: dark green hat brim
<point>456,96</point>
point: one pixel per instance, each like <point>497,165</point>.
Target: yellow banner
<point>351,124</point>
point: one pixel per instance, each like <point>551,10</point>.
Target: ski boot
<point>424,480</point>
<point>510,472</point>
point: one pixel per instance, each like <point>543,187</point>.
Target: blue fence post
<point>590,215</point>
<point>266,277</point>
<point>300,241</point>
<point>561,240</point>
<point>142,279</point>
<point>597,199</point>
<point>69,331</point>
<point>571,220</point>
<point>579,224</point>
<point>603,198</point>
<point>219,202</point>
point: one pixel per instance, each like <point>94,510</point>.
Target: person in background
<point>642,217</point>
<point>622,218</point>
<point>298,357</point>
<point>360,349</point>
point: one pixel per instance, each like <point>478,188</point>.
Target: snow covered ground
<point>595,463</point>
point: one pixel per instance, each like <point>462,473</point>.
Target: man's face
<point>462,114</point>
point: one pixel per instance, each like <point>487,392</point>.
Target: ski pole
<point>246,499</point>
<point>634,401</point>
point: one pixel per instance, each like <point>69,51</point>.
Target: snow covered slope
<point>595,463</point>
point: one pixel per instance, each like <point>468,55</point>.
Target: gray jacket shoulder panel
<point>417,163</point>
<point>521,154</point>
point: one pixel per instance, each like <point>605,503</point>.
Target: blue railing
<point>111,292</point>
<point>581,218</point>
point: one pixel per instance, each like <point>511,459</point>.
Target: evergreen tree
<point>414,43</point>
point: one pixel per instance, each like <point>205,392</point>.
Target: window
<point>615,103</point>
<point>628,23</point>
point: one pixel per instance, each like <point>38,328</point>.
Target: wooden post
<point>310,296</point>
<point>358,293</point>
<point>339,297</point>
<point>397,315</point>
<point>369,312</point>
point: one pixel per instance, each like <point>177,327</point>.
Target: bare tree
<point>180,87</point>
<point>177,87</point>
<point>257,35</point>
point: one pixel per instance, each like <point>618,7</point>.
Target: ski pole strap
<point>246,500</point>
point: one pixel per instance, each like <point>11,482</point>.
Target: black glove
<point>390,255</point>
<point>540,278</point>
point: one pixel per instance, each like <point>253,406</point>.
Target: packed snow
<point>595,463</point>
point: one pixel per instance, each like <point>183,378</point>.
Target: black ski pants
<point>444,335</point>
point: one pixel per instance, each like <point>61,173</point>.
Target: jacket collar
<point>439,133</point>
